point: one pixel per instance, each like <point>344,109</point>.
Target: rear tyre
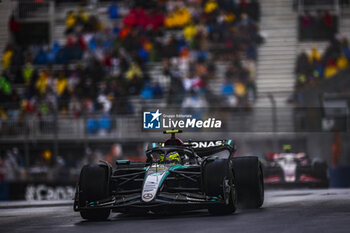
<point>93,186</point>
<point>250,182</point>
<point>218,180</point>
<point>320,170</point>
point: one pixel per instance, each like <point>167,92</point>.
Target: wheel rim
<point>233,193</point>
<point>227,190</point>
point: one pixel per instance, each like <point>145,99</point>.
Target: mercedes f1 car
<point>294,169</point>
<point>177,176</point>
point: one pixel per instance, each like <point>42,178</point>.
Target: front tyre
<point>93,186</point>
<point>230,206</point>
<point>218,180</point>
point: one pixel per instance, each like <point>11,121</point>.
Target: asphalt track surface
<point>283,211</point>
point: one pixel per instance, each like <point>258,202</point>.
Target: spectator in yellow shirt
<point>230,17</point>
<point>61,84</point>
<point>240,89</point>
<point>210,6</point>
<point>134,72</point>
<point>6,58</point>
<point>83,17</point>
<point>314,55</point>
<point>331,68</point>
<point>178,18</point>
<point>342,62</point>
<point>42,82</point>
<point>27,73</point>
<point>189,32</point>
<point>71,20</point>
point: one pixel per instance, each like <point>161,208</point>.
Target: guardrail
<point>54,127</point>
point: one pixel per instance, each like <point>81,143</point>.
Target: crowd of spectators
<point>98,68</point>
<point>314,66</point>
<point>319,25</point>
<point>42,165</point>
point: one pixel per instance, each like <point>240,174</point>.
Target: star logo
<point>156,115</point>
<point>151,120</point>
<point>148,195</point>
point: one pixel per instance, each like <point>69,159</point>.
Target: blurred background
<point>75,76</point>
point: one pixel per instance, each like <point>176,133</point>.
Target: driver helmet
<point>171,158</point>
<point>287,148</point>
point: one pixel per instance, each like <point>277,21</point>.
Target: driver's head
<point>171,158</point>
<point>287,148</point>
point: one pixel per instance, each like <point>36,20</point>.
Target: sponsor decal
<point>191,123</point>
<point>206,144</point>
<point>44,192</point>
<point>155,175</point>
<point>197,144</point>
<point>158,120</point>
<point>148,195</point>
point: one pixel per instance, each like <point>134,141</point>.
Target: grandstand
<point>154,68</point>
<point>276,56</point>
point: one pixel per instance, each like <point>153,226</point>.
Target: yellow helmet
<point>171,158</point>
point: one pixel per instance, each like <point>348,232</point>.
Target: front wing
<point>275,175</point>
<point>162,199</point>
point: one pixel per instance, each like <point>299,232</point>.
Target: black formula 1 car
<point>295,169</point>
<point>177,176</point>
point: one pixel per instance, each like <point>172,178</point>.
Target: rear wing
<point>208,144</point>
<point>204,147</point>
<point>208,148</point>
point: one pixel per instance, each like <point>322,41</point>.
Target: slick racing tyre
<point>320,169</point>
<point>249,181</point>
<point>93,186</point>
<point>218,180</point>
